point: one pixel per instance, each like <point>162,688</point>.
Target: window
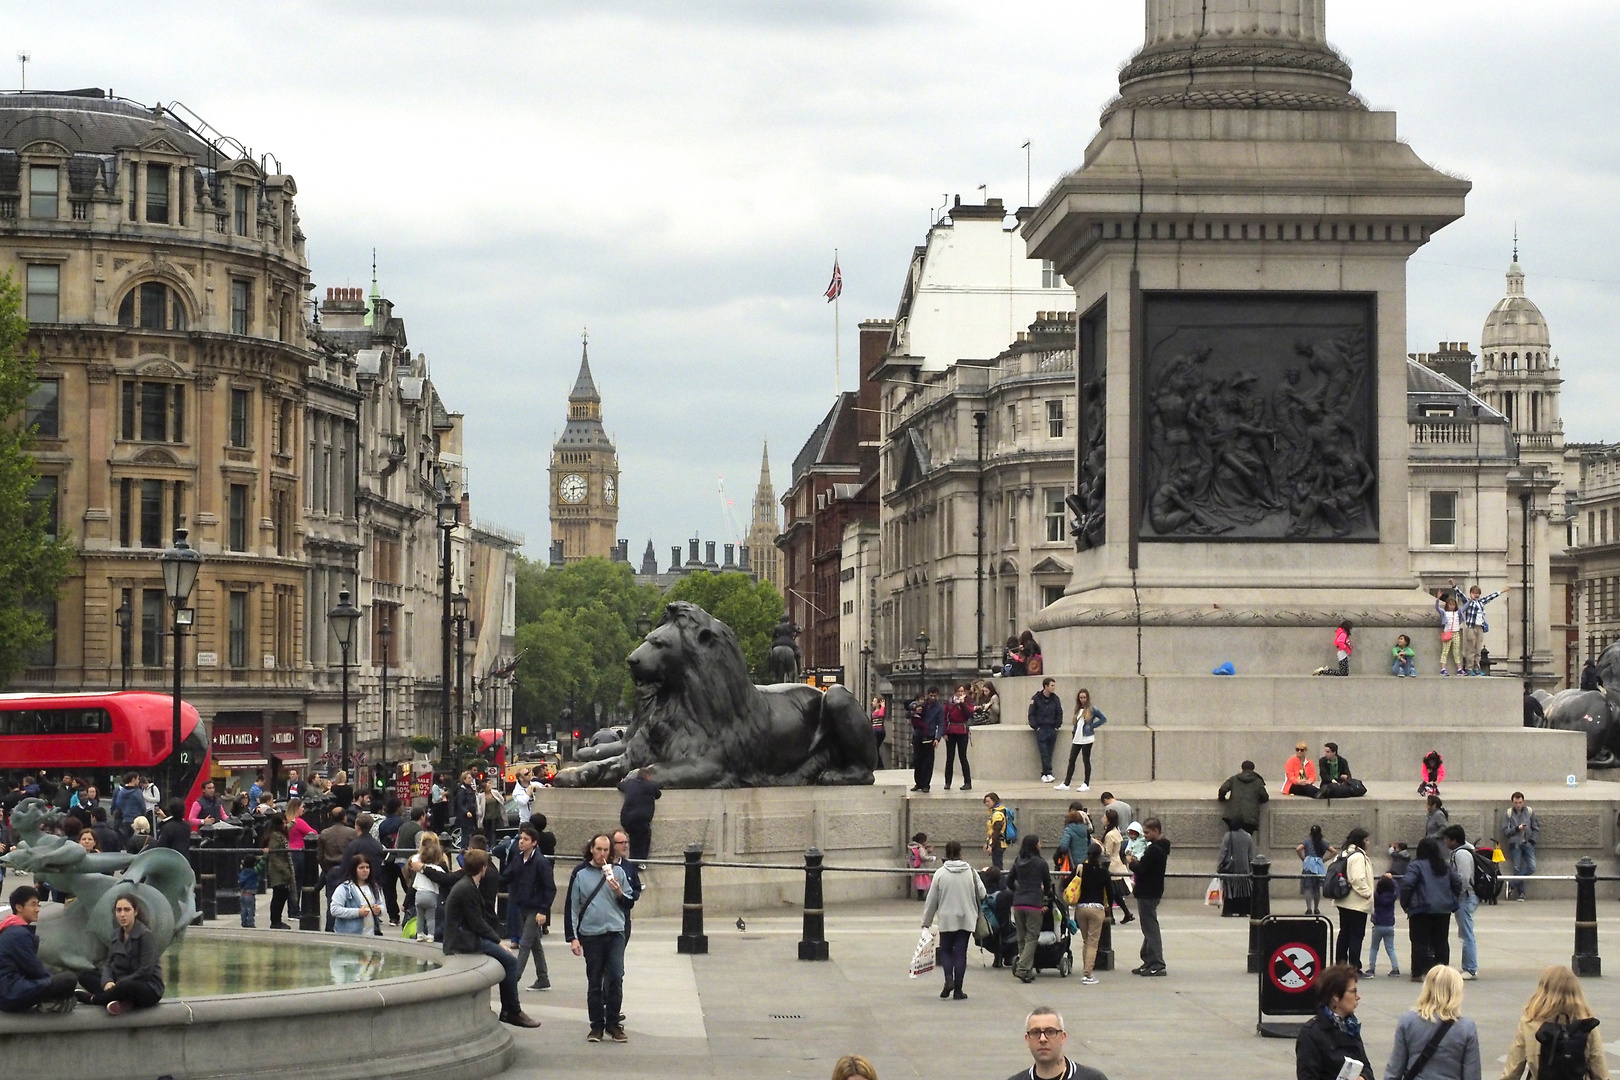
<point>1012,423</point>
<point>153,602</point>
<point>240,400</point>
<point>42,411</point>
<point>1051,594</point>
<point>1442,518</point>
<point>1591,527</point>
<point>1056,516</point>
<point>241,205</point>
<point>157,193</point>
<point>1012,520</point>
<point>1010,593</point>
<point>383,615</point>
<point>238,517</point>
<point>44,293</point>
<point>151,513</point>
<point>1050,278</point>
<point>43,496</point>
<point>1603,526</point>
<point>156,410</point>
<point>42,187</point>
<point>278,516</point>
<point>241,292</point>
<point>284,427</point>
<point>158,308</point>
<point>238,638</point>
<point>1054,419</point>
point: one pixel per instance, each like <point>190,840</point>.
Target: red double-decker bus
<point>101,737</point>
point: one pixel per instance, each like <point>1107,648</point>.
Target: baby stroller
<point>1002,940</point>
<point>1052,948</point>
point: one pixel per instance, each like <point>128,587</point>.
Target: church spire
<point>765,465</point>
<point>1515,274</point>
<point>376,293</point>
<point>584,386</point>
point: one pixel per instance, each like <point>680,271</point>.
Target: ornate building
<point>584,478</point>
<point>759,550</point>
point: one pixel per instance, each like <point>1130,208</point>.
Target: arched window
<point>152,305</point>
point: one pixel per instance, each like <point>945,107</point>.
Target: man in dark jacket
<point>1045,1038</point>
<point>128,804</point>
<point>330,845</point>
<point>531,888</point>
<point>464,808</point>
<point>1149,891</point>
<point>175,832</point>
<point>24,981</point>
<point>1242,795</point>
<point>1046,717</point>
<point>107,838</point>
<point>641,793</point>
<point>926,731</point>
<point>372,848</point>
<point>1589,676</point>
<point>466,930</point>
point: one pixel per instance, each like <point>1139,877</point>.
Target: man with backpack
<point>1466,860</point>
<point>1000,830</point>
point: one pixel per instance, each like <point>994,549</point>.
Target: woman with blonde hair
<point>1434,1041</point>
<point>429,871</point>
<point>1556,1012</point>
<point>853,1067</point>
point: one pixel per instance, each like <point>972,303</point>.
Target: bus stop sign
<point>1296,948</point>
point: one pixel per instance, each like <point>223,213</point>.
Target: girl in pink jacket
<point>1341,643</point>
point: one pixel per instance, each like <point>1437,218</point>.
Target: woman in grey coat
<point>1456,1055</point>
<point>954,896</point>
<point>1236,858</point>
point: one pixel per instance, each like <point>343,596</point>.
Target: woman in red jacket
<point>958,724</point>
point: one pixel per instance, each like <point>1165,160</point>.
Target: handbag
<point>981,929</point>
<point>1034,665</point>
<point>1428,1050</point>
<point>1071,891</point>
<point>1214,894</point>
<point>1445,635</point>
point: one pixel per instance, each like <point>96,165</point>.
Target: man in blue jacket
<point>596,926</point>
<point>926,731</point>
<point>128,804</point>
<point>531,888</point>
<point>1046,717</point>
<point>25,983</point>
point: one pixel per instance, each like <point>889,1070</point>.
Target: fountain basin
<point>420,1013</point>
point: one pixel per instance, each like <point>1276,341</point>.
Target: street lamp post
<point>123,615</point>
<point>343,619</point>
<point>180,565</point>
<point>385,634</point>
<point>922,660</point>
<point>449,515</point>
<point>459,605</point>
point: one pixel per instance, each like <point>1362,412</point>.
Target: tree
<point>32,561</point>
<point>576,626</point>
<point>751,608</point>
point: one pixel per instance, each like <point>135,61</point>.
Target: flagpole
<point>838,387</point>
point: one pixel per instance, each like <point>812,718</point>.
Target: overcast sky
<point>676,176</point>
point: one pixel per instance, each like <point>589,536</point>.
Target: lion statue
<point>700,723</point>
<point>1594,712</point>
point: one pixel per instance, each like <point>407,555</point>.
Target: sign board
<point>236,742</point>
<point>208,659</point>
<point>822,678</point>
<point>1297,948</point>
<point>314,738</point>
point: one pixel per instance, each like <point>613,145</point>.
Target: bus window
<point>55,722</point>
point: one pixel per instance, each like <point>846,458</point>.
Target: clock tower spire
<point>584,474</point>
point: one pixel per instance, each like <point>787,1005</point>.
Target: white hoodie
<point>954,896</point>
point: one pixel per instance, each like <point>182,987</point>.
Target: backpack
<point>1563,1049</point>
<point>1009,828</point>
<point>1487,876</point>
<point>1336,886</point>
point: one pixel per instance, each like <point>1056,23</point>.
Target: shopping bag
<point>408,930</point>
<point>1213,894</point>
<point>922,960</point>
<point>1071,892</point>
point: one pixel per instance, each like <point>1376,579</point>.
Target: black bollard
<point>813,946</point>
<point>1105,945</point>
<point>1259,908</point>
<point>309,905</point>
<point>207,861</point>
<point>227,895</point>
<point>1586,960</point>
<point>693,941</point>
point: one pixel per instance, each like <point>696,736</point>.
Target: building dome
<point>1515,323</point>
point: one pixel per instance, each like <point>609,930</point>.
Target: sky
<point>677,176</point>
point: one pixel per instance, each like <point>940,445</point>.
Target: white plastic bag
<point>1215,893</point>
<point>922,960</point>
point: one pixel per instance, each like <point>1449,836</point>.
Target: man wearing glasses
<point>1044,1035</point>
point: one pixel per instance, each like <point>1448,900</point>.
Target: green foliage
<point>576,624</point>
<point>421,743</point>
<point>750,608</point>
<point>32,565</point>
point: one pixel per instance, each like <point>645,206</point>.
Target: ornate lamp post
<point>123,616</point>
<point>449,517</point>
<point>459,605</point>
<point>343,619</point>
<point>643,626</point>
<point>922,659</point>
<point>385,634</point>
<point>180,565</point>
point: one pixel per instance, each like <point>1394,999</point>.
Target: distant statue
<point>77,936</point>
<point>701,723</point>
<point>785,660</point>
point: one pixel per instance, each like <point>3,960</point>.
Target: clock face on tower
<point>609,491</point>
<point>572,488</point>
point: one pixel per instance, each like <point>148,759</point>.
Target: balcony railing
<point>1441,433</point>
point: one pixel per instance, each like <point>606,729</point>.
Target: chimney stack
<point>742,560</point>
<point>708,556</point>
<point>675,559</point>
<point>730,563</point>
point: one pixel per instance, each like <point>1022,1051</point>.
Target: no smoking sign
<point>1293,968</point>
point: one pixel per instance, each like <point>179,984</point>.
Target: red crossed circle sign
<point>1294,967</point>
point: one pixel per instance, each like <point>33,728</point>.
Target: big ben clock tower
<point>584,475</point>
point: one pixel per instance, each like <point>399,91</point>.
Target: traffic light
<point>576,734</point>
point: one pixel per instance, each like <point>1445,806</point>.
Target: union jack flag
<point>835,288</point>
